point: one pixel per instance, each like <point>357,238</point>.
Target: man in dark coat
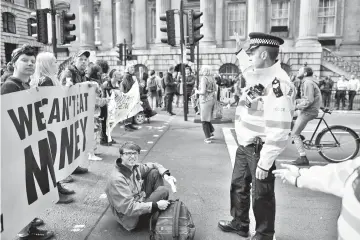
<point>170,89</point>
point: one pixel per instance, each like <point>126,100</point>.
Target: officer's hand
<point>162,204</point>
<point>261,174</point>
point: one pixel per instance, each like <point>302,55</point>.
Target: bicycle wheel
<point>346,147</point>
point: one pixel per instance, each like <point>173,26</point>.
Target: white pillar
<point>123,21</point>
<point>207,7</point>
<point>161,7</point>
<point>140,24</point>
<point>86,20</point>
<point>219,23</point>
<point>308,24</point>
<point>257,16</point>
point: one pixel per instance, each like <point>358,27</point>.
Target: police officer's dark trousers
<point>263,195</point>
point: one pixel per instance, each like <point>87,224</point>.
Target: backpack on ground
<point>175,223</point>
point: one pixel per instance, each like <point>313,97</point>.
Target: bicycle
<point>326,140</point>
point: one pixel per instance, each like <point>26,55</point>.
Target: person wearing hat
<point>75,73</point>
<point>23,60</point>
<point>308,106</point>
<point>262,127</point>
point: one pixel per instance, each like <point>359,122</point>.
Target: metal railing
<point>340,62</point>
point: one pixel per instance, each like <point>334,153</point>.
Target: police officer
<point>262,127</point>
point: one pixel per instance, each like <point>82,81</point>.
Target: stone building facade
<point>15,26</point>
<point>306,25</point>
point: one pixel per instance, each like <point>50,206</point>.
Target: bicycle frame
<point>317,127</point>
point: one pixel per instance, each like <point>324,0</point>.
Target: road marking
<point>160,130</point>
<point>102,196</point>
<point>156,135</point>
<point>143,150</point>
<point>150,142</point>
<point>78,228</point>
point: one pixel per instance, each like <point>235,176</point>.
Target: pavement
<point>203,172</point>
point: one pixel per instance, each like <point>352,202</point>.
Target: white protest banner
<point>45,134</point>
<point>122,106</point>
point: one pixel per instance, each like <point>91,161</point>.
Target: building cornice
<point>12,7</point>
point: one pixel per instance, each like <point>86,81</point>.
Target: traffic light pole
<point>53,24</point>
<point>185,101</point>
<point>125,53</point>
<point>197,65</point>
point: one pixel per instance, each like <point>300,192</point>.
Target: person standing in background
<point>341,87</point>
<point>326,86</point>
<point>353,87</point>
<point>152,86</point>
<point>170,89</point>
<point>160,90</point>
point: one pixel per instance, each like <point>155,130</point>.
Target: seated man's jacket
<point>125,194</point>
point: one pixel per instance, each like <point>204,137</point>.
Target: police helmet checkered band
<point>261,41</point>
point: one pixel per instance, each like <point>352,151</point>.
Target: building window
<point>32,4</point>
<point>236,19</point>
<point>10,1</point>
<point>229,71</point>
<point>97,28</point>
<point>280,13</point>
<point>31,29</point>
<point>8,22</point>
<point>326,17</point>
<point>153,25</point>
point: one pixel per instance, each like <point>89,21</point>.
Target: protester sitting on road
<point>135,190</point>
<point>23,60</point>
<point>73,74</point>
<point>340,179</point>
<point>125,86</point>
<point>207,91</point>
<point>45,74</point>
<point>309,105</point>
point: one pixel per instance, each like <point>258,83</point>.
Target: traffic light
<point>120,51</point>
<point>193,27</point>
<point>170,27</point>
<point>190,53</point>
<point>66,27</point>
<point>41,25</point>
<point>129,54</point>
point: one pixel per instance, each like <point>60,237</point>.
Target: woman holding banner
<point>23,60</point>
<point>46,69</point>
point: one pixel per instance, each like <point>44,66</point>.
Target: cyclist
<point>308,106</point>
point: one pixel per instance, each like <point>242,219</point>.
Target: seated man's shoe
<point>228,226</point>
<point>69,179</point>
<point>301,161</point>
<point>65,199</point>
<point>36,222</point>
<point>37,234</point>
<point>81,170</point>
<point>64,190</point>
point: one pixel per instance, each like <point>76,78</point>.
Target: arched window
<point>31,30</point>
<point>32,4</point>
<point>9,25</point>
<point>229,71</point>
<point>140,69</point>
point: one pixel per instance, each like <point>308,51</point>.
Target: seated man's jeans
<point>299,125</point>
<point>155,191</point>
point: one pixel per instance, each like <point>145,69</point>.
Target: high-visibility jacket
<point>342,180</point>
<point>269,115</point>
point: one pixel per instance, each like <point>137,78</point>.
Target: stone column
<point>308,24</point>
<point>140,38</point>
<point>257,16</point>
<point>161,7</point>
<point>219,30</point>
<point>123,21</point>
<point>86,21</point>
<point>207,7</point>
